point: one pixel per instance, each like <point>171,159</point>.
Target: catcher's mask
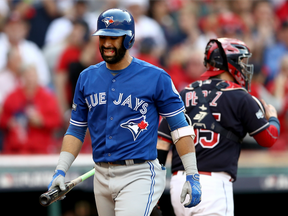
<point>232,55</point>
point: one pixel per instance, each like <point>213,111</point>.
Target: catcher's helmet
<point>232,55</point>
<point>117,22</point>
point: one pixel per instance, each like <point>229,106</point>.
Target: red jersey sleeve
<point>267,137</point>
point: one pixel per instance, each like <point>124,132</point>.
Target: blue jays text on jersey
<point>100,98</point>
<point>235,109</point>
<point>122,111</point>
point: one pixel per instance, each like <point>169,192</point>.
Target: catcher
<point>222,112</point>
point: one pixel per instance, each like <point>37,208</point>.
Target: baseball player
<point>222,112</point>
<point>120,100</point>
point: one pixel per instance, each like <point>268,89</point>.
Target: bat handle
<point>54,194</point>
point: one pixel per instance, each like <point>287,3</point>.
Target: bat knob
<point>44,200</point>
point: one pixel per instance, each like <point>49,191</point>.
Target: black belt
<point>124,162</point>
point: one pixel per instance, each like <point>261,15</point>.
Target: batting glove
<point>58,180</point>
<point>191,187</point>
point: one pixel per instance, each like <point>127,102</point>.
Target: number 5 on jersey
<point>207,138</point>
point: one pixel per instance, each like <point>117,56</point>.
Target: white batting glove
<point>64,163</point>
<point>58,180</point>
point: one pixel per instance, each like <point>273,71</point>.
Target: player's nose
<point>106,41</point>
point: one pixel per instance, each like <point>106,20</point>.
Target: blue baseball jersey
<point>122,110</point>
<point>235,109</point>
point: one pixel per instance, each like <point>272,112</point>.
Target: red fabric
<point>69,55</point>
<point>271,87</point>
<point>267,137</point>
<point>179,77</point>
<point>30,139</point>
<point>164,139</point>
<point>233,85</point>
<point>255,88</point>
<point>282,11</point>
<point>230,23</point>
<point>150,59</point>
<point>225,21</point>
<point>175,5</point>
<point>212,72</point>
<point>282,142</point>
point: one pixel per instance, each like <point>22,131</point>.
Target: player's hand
<point>191,187</point>
<point>270,110</point>
<point>58,180</point>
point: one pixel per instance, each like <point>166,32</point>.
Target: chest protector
<point>201,114</point>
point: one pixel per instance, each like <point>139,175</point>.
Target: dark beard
<point>119,54</point>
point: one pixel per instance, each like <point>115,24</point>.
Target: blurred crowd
<point>45,44</point>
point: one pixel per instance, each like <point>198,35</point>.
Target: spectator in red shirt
<point>89,56</point>
<point>279,88</point>
<point>146,51</point>
<point>30,115</point>
<point>185,69</point>
<point>76,41</point>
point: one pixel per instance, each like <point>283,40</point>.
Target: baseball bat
<point>56,193</point>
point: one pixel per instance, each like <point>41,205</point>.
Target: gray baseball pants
<point>128,190</point>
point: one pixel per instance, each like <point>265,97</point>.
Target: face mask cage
<point>246,69</point>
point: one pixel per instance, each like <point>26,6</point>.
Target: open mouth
<point>109,52</point>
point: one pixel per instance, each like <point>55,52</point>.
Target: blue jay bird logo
<point>136,126</point>
<point>108,21</point>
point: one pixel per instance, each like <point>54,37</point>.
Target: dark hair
<point>86,27</point>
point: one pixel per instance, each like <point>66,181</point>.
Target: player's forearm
<point>185,145</point>
<point>72,145</point>
<point>186,150</point>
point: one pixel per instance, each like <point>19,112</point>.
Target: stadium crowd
<point>45,44</point>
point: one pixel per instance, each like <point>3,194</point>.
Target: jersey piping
<point>77,123</point>
<point>172,113</point>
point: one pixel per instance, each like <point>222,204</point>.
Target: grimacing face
<point>112,49</point>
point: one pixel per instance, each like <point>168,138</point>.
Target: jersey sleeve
<point>267,137</point>
<point>252,116</point>
<point>79,107</point>
<point>169,102</point>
